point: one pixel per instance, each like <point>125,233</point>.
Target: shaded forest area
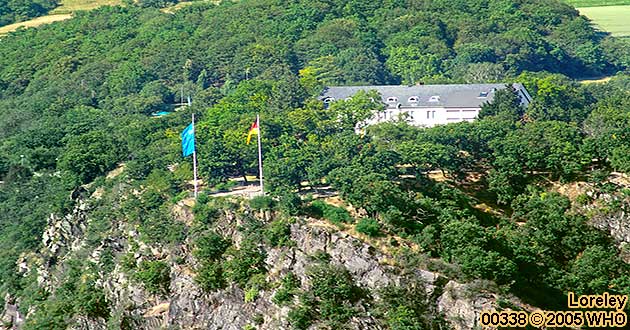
<point>21,10</point>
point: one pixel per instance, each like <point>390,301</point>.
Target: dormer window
<point>392,99</point>
<point>434,98</point>
<point>483,94</point>
<point>329,100</point>
<point>413,99</point>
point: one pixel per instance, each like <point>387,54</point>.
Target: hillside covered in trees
<point>21,10</point>
<point>76,99</point>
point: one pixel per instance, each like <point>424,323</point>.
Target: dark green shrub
<point>155,275</point>
<point>205,213</point>
<point>159,227</point>
<point>202,199</point>
<point>245,263</point>
<point>262,203</point>
<point>315,209</point>
<point>210,247</point>
<point>333,283</point>
<point>404,307</point>
<point>288,289</point>
<point>335,293</point>
<point>278,233</point>
<point>336,215</point>
<point>369,226</point>
<point>90,301</point>
<point>289,203</point>
<point>210,276</point>
<point>302,316</point>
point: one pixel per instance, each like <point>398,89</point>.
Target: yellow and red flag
<point>253,130</point>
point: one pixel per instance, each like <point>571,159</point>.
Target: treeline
<point>104,70</point>
<point>21,10</point>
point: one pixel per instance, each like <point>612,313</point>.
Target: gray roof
<point>448,96</point>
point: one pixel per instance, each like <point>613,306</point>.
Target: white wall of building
<point>425,117</point>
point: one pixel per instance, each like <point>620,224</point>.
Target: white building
<point>428,105</point>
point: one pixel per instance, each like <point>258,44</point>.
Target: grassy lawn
<point>69,6</point>
<point>596,3</point>
<point>613,19</point>
<point>60,13</point>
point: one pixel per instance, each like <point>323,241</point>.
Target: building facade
<point>427,105</point>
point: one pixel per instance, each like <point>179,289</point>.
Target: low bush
<point>278,233</point>
<point>245,263</point>
<point>210,247</point>
<point>369,226</point>
<point>210,276</point>
<point>288,289</point>
<point>155,275</point>
<point>262,203</point>
<point>336,215</point>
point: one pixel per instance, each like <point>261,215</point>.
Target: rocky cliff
<point>187,306</point>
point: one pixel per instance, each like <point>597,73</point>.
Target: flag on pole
<point>253,130</point>
<point>188,140</point>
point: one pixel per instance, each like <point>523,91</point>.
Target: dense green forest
<point>76,99</point>
<point>21,10</point>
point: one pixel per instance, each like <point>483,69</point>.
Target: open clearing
<point>596,3</point>
<point>70,6</point>
<point>613,19</point>
<point>63,12</point>
<point>599,80</point>
<point>34,22</point>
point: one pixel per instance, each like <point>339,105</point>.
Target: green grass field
<point>70,6</point>
<point>596,3</point>
<point>63,12</point>
<point>613,19</point>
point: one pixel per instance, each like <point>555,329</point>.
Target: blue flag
<point>188,140</point>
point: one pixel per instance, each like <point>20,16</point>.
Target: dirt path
<point>34,22</point>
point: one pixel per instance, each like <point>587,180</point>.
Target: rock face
<point>62,235</point>
<point>461,307</point>
<point>10,318</point>
<point>618,226</point>
<point>188,307</point>
<point>613,220</point>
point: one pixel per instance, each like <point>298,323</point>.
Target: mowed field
<point>613,19</point>
<point>63,12</point>
<point>596,3</point>
<point>70,6</point>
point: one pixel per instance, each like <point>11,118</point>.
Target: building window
<point>392,99</point>
<point>428,114</point>
<point>329,100</point>
<point>483,95</point>
<point>434,98</point>
<point>413,99</point>
<point>432,114</point>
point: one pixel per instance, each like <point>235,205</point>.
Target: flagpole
<point>194,156</point>
<point>260,168</point>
